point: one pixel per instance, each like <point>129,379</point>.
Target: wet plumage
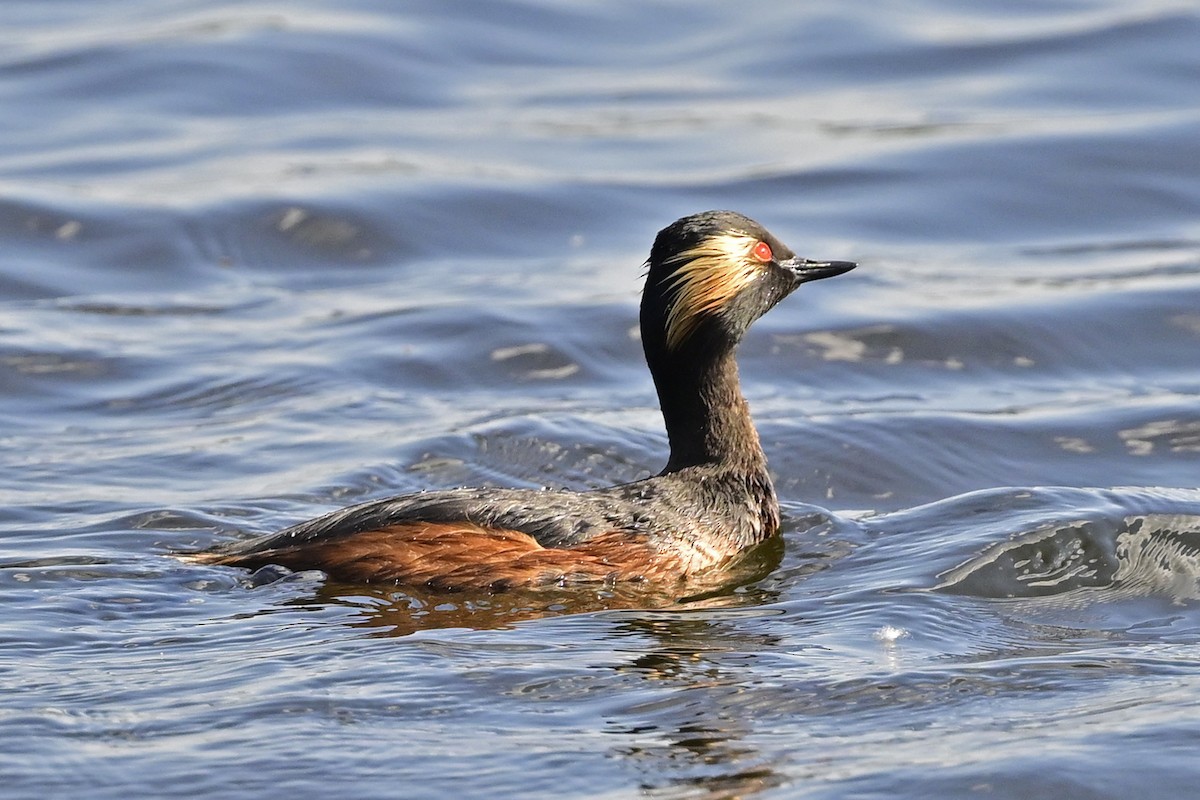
<point>709,276</point>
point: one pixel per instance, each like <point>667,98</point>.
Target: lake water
<point>258,261</point>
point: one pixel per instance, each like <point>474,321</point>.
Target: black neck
<point>707,418</point>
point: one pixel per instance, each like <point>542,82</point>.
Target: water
<point>260,261</point>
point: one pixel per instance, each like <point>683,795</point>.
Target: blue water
<point>258,261</point>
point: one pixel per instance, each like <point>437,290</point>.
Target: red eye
<point>762,251</point>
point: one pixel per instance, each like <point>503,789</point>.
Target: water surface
<point>262,261</point>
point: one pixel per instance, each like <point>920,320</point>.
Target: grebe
<point>709,276</point>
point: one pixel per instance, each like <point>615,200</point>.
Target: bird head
<point>710,275</point>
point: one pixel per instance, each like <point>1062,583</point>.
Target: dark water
<point>262,260</point>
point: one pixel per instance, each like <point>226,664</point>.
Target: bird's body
<point>710,275</point>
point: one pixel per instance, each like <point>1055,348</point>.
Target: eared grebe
<point>709,277</point>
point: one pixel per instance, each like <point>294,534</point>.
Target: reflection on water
<point>684,736</point>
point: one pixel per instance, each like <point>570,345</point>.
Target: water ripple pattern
<point>260,261</point>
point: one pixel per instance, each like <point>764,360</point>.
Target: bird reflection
<point>691,738</point>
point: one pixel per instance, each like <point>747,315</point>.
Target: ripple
<point>260,261</point>
<point>1156,554</point>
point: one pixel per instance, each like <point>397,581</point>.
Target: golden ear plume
<point>709,276</point>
